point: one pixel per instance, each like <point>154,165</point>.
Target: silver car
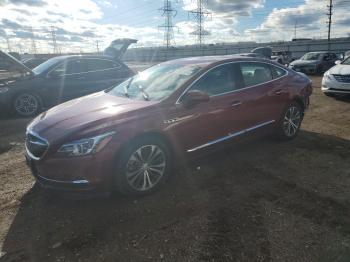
<point>337,79</point>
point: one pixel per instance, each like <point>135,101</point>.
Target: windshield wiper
<point>144,93</point>
<point>127,87</point>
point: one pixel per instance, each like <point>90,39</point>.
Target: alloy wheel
<point>26,104</point>
<point>145,167</point>
<point>292,120</point>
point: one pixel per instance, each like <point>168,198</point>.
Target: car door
<point>208,123</point>
<point>104,73</point>
<point>265,92</point>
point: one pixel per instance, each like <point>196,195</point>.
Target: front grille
<point>342,78</point>
<point>36,146</point>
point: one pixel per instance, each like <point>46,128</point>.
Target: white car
<point>337,79</point>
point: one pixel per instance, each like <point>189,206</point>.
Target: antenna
<point>53,35</point>
<point>34,51</point>
<point>168,13</point>
<point>199,14</point>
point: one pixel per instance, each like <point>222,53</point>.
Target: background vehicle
<point>336,81</point>
<point>129,137</point>
<point>314,62</point>
<point>60,79</point>
<point>282,57</point>
<point>33,62</point>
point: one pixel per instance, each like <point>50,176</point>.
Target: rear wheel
<point>26,104</point>
<point>290,123</point>
<point>143,167</point>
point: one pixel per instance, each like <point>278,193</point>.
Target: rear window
<point>277,72</point>
<point>255,73</point>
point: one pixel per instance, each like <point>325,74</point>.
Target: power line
<point>168,13</point>
<point>199,14</point>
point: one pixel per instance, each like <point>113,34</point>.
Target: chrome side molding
<point>230,136</point>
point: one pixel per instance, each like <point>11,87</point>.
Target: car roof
<point>207,60</point>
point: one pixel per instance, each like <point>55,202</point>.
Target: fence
<point>297,48</point>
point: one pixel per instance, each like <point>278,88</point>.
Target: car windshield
<point>311,56</point>
<point>346,61</point>
<point>157,82</point>
<point>46,65</point>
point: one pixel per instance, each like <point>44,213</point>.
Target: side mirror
<point>337,62</point>
<point>194,97</point>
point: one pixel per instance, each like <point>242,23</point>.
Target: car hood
<point>340,70</point>
<point>304,62</point>
<point>16,65</point>
<point>87,115</point>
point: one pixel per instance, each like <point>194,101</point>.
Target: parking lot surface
<point>259,201</point>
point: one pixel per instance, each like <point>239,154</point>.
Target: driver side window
<point>217,81</point>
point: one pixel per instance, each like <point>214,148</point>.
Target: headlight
<point>327,75</point>
<point>3,89</point>
<point>86,146</point>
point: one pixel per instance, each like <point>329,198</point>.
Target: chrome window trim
<point>92,71</point>
<point>31,132</point>
<point>221,139</point>
<point>234,62</point>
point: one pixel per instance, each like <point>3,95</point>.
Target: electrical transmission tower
<point>199,14</point>
<point>168,13</point>
<point>33,41</point>
<point>53,35</point>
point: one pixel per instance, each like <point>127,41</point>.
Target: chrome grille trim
<point>342,78</point>
<point>42,142</point>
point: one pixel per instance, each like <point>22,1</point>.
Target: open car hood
<point>9,63</point>
<point>118,47</point>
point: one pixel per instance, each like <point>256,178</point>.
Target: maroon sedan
<point>129,136</point>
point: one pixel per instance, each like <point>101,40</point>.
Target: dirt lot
<point>261,201</point>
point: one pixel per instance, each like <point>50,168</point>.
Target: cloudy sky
<point>79,24</point>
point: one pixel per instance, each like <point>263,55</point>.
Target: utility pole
<point>199,14</point>
<point>34,51</point>
<point>330,13</point>
<point>295,29</point>
<point>168,13</point>
<point>8,44</point>
<point>97,48</point>
<point>53,35</point>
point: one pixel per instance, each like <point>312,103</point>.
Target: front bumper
<point>331,85</point>
<point>304,69</point>
<point>70,175</point>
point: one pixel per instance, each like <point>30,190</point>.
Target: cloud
<point>23,2</point>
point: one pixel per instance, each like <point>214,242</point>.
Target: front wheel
<point>290,122</point>
<point>143,167</point>
<point>26,104</point>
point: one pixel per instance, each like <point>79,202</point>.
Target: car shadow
<point>218,187</point>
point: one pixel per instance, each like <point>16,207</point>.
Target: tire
<point>26,104</point>
<point>143,167</point>
<point>289,124</point>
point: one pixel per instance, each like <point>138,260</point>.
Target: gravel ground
<point>258,201</point>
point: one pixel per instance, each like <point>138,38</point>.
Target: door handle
<point>278,92</point>
<point>236,103</point>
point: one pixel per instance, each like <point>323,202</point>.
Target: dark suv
<point>61,78</point>
<point>314,62</point>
